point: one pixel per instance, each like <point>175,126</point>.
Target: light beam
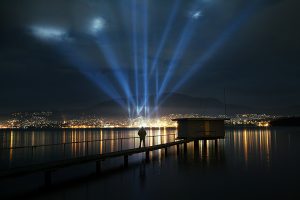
<point>181,46</point>
<point>222,39</point>
<point>135,57</point>
<point>179,50</point>
<point>145,59</point>
<point>215,46</point>
<point>115,65</point>
<point>165,35</point>
<point>85,66</point>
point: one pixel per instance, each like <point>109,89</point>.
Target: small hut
<point>200,128</point>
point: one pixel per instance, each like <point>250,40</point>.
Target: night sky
<point>50,50</point>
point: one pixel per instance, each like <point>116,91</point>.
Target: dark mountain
<point>284,110</point>
<point>286,121</point>
<point>174,103</point>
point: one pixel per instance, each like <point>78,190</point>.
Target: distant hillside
<point>174,103</point>
<point>286,121</point>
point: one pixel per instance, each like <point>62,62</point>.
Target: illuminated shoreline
<point>26,121</point>
<point>127,127</point>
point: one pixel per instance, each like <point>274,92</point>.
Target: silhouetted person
<point>142,133</point>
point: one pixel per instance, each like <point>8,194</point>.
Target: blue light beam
<point>145,59</point>
<point>135,57</point>
<point>165,34</point>
<point>222,39</point>
<point>87,69</point>
<point>179,50</point>
<point>115,64</point>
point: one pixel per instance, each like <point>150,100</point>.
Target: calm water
<point>21,148</point>
<point>251,163</point>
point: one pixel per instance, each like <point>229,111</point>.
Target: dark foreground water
<point>251,163</point>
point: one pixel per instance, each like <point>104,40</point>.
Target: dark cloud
<point>258,62</point>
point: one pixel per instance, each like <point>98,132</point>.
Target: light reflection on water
<point>72,143</point>
<point>246,144</point>
<point>248,163</point>
<point>250,144</point>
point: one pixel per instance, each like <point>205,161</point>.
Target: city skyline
<point>50,120</point>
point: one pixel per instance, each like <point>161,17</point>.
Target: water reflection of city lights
<point>250,142</point>
<point>11,145</point>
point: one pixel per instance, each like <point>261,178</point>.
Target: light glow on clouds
<point>196,14</point>
<point>97,25</point>
<point>49,33</point>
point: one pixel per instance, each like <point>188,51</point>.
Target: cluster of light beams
<point>219,42</point>
<point>145,59</point>
<point>181,46</point>
<point>165,35</point>
<point>140,103</point>
<point>87,68</point>
<point>135,52</point>
<point>140,60</point>
<point>104,45</point>
<point>183,43</point>
<point>163,40</point>
<point>60,40</point>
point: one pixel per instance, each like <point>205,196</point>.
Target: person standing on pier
<point>142,133</point>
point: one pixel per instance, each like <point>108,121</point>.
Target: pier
<point>49,167</point>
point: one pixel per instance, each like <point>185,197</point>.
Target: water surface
<point>250,163</point>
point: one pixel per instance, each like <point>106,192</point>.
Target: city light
<point>263,124</point>
<point>25,120</point>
